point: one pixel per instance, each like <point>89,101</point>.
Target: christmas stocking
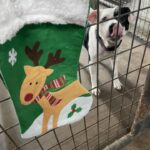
<point>39,52</point>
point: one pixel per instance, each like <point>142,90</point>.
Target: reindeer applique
<point>34,87</point>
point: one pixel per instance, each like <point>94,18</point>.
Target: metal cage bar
<point>97,78</point>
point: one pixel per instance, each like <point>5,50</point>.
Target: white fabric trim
<point>15,14</point>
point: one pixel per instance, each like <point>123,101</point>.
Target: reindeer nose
<point>28,97</point>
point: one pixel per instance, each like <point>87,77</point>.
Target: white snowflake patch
<point>12,56</point>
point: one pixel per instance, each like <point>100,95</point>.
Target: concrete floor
<point>140,143</point>
<point>119,125</point>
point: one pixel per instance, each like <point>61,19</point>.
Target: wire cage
<point>112,113</point>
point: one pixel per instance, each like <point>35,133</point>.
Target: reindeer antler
<point>52,60</point>
<point>34,54</point>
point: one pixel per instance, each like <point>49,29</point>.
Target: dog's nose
<point>116,30</point>
<point>28,97</point>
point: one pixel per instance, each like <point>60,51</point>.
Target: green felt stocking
<point>39,60</point>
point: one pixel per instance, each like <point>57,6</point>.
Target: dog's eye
<point>104,18</point>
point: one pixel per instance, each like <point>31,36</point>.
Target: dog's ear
<point>92,17</point>
<point>131,19</point>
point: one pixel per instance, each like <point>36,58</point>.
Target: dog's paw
<point>96,92</point>
<point>117,84</point>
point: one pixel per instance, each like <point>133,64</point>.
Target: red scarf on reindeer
<point>57,83</point>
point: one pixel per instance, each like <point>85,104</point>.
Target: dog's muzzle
<point>116,31</point>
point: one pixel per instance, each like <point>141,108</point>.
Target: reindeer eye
<point>36,83</point>
<point>104,18</point>
<point>30,83</point>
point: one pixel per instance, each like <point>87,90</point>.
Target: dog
<point>110,37</point>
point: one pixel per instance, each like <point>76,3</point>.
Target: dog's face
<point>108,29</point>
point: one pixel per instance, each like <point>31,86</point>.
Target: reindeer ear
<point>92,17</point>
<point>49,71</point>
<point>28,69</point>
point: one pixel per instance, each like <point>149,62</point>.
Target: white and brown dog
<point>109,32</point>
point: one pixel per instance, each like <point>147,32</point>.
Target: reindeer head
<point>36,76</point>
